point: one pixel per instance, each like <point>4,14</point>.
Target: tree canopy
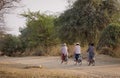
<point>110,37</point>
<point>10,44</point>
<point>86,19</point>
<point>39,30</point>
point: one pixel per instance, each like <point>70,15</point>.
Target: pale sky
<point>14,21</point>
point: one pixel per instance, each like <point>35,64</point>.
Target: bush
<point>10,45</point>
<point>110,38</point>
<point>106,51</point>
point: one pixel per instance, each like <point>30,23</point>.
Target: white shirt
<point>64,50</point>
<point>77,49</point>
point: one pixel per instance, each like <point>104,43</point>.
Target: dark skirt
<point>64,57</point>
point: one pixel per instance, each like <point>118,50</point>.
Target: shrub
<point>110,38</point>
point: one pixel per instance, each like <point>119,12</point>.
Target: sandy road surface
<point>105,66</point>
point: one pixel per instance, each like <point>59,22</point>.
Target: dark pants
<point>77,56</point>
<point>91,55</point>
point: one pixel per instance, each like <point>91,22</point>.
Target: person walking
<point>77,53</point>
<point>91,54</point>
<point>64,53</point>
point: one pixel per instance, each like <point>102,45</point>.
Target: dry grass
<point>117,51</point>
<point>110,51</point>
<point>53,51</point>
<point>11,72</point>
<point>6,71</point>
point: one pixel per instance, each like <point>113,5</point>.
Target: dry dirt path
<point>105,66</point>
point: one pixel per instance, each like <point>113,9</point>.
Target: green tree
<point>10,45</point>
<point>39,31</point>
<point>86,19</point>
<point>109,42</point>
<point>110,37</point>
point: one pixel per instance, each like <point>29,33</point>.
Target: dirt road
<point>105,66</point>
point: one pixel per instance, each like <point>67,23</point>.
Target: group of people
<point>77,54</point>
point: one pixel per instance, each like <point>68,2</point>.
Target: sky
<point>14,21</point>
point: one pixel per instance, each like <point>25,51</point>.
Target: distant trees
<point>5,6</point>
<point>110,36</point>
<point>109,41</point>
<point>39,31</point>
<point>9,45</point>
<point>85,20</point>
<point>38,36</point>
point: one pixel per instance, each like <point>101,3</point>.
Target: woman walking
<point>91,54</point>
<point>64,53</point>
<point>77,53</point>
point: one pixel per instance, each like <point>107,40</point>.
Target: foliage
<point>39,31</point>
<point>110,36</point>
<point>10,45</point>
<point>83,22</point>
<point>86,19</point>
<point>109,42</point>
